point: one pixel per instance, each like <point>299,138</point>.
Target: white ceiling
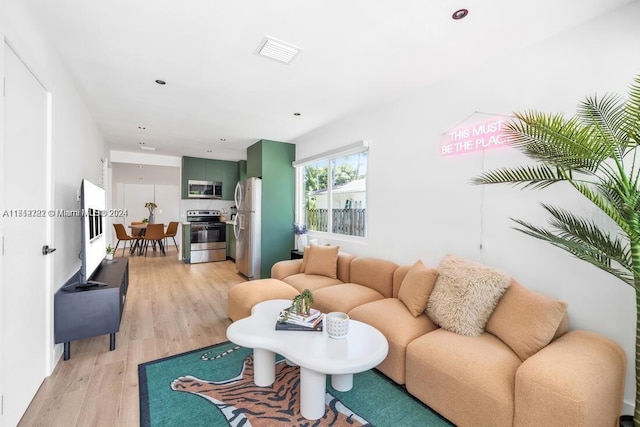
<point>354,53</point>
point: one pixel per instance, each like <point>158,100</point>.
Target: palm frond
<point>574,227</point>
<point>553,140</point>
<point>633,111</point>
<point>525,176</point>
<point>609,201</point>
<point>579,249</point>
<point>607,116</point>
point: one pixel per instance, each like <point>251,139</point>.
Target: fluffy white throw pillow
<point>465,295</point>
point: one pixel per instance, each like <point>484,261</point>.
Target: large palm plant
<point>596,152</point>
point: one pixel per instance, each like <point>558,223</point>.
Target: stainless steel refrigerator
<point>247,228</point>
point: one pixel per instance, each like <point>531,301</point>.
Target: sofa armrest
<point>577,380</point>
<point>282,269</point>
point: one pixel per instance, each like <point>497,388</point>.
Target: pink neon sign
<point>475,137</point>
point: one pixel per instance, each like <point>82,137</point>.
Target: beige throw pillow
<point>416,287</point>
<point>465,295</point>
<point>322,260</point>
<point>525,320</point>
<point>303,265</point>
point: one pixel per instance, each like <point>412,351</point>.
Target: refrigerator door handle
<point>236,226</point>
<point>237,196</point>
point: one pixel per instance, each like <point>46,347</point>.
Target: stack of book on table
<point>289,320</point>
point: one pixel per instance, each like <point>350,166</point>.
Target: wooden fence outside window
<point>348,221</point>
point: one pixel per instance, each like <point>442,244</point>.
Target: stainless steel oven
<point>208,236</point>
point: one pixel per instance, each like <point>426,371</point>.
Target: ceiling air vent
<point>278,50</point>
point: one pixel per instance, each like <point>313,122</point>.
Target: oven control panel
<point>204,213</point>
<point>204,216</point>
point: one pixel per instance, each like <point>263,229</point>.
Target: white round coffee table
<point>316,354</point>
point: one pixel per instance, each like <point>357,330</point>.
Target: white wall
<point>2,206</point>
<point>78,147</point>
<point>442,213</point>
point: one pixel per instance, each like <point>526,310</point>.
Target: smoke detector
<point>278,50</point>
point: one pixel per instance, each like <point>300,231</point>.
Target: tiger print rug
<point>214,387</point>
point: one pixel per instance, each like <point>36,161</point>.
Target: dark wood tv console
<point>87,312</point>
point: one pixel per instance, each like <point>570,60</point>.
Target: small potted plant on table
<point>302,302</point>
<point>109,251</point>
<point>300,305</point>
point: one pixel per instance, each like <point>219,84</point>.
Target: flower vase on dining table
<point>152,219</point>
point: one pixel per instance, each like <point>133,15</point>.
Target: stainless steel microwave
<point>204,189</point>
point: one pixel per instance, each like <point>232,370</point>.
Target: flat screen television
<point>92,219</point>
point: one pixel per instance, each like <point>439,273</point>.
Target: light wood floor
<point>170,308</point>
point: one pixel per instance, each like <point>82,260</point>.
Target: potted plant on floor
<point>596,153</point>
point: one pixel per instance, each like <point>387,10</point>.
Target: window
<point>333,191</point>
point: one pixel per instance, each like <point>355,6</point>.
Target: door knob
<point>46,250</point>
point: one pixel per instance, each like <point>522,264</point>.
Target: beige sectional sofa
<point>516,363</point>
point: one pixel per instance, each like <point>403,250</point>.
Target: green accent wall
<point>271,161</point>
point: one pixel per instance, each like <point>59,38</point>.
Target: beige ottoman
<point>243,296</point>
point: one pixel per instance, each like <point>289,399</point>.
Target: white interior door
<point>26,276</point>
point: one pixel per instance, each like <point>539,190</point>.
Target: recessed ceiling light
<point>140,166</point>
<point>277,49</point>
<point>209,151</point>
<point>141,127</point>
<point>140,143</point>
<point>223,139</point>
<point>460,13</point>
<point>161,82</point>
<point>296,114</point>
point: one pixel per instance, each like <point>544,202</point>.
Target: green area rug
<point>214,386</point>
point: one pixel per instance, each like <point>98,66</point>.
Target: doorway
<point>26,304</point>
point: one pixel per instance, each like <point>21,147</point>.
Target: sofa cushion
<point>343,297</point>
<point>282,269</point>
<point>416,287</point>
<point>577,380</point>
<point>465,295</point>
<point>391,317</point>
<point>526,320</point>
<point>321,260</point>
<point>469,380</point>
<point>243,296</point>
<point>312,282</point>
<point>374,273</point>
